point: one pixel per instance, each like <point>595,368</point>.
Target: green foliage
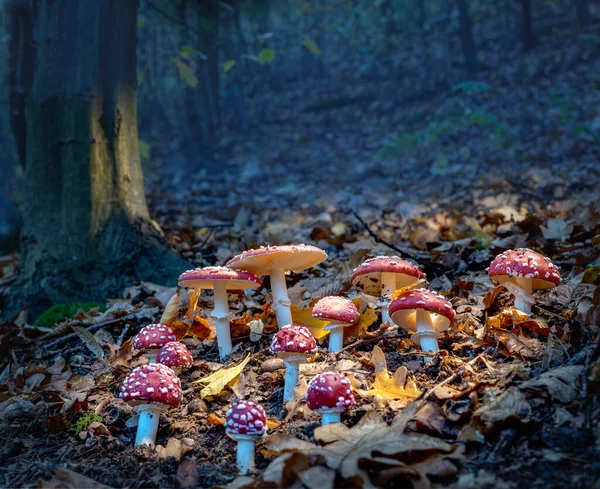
<point>563,100</point>
<point>401,143</point>
<point>84,422</point>
<point>61,312</point>
<point>590,37</point>
<point>266,55</point>
<point>144,149</point>
<point>185,72</point>
<point>587,129</point>
<point>311,46</point>
<point>228,65</point>
<point>187,51</point>
<point>471,88</point>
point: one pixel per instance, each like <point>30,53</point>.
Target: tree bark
<point>466,37</point>
<point>528,39</point>
<point>87,230</point>
<point>583,12</point>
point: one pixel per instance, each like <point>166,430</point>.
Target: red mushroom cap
<point>289,257</point>
<point>367,276</point>
<point>153,336</point>
<point>402,309</point>
<point>152,383</point>
<point>331,391</point>
<point>174,354</point>
<point>294,339</point>
<point>204,278</point>
<point>334,308</point>
<point>526,263</point>
<point>245,418</point>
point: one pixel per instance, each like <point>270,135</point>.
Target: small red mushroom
<point>382,276</point>
<point>294,344</point>
<point>526,270</point>
<point>152,338</point>
<point>425,312</point>
<point>330,394</point>
<point>245,421</point>
<point>340,312</point>
<point>150,389</point>
<point>175,355</point>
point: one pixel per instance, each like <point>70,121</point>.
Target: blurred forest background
<point>269,104</point>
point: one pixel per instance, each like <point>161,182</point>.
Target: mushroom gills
<point>388,287</point>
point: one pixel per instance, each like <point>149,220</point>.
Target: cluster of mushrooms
<point>153,387</point>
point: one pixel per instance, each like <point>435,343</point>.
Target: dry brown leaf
<point>171,310</point>
<point>67,479</point>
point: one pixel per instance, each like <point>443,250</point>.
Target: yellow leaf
<point>228,65</point>
<point>419,284</point>
<point>219,379</point>
<point>311,45</point>
<point>305,318</point>
<point>172,310</point>
<point>185,72</point>
<point>338,229</point>
<point>367,317</point>
<point>396,387</point>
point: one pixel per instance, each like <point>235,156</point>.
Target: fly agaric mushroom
<point>294,344</point>
<point>220,279</point>
<point>152,338</point>
<point>382,276</point>
<point>425,312</point>
<point>275,261</point>
<point>527,270</point>
<point>245,421</point>
<point>341,312</point>
<point>150,389</point>
<point>175,355</point>
<point>330,394</point>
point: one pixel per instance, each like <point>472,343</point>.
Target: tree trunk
<point>87,230</point>
<point>466,37</point>
<point>583,12</point>
<point>528,39</point>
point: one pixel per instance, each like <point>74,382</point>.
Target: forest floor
<point>510,401</point>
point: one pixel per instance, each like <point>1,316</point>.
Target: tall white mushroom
<point>276,261</point>
<point>220,279</point>
<point>382,276</point>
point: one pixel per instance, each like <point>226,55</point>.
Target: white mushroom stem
<point>245,452</point>
<point>280,297</point>
<point>426,334</point>
<point>330,416</point>
<point>221,315</point>
<point>336,335</point>
<point>388,287</point>
<point>291,377</point>
<point>523,292</point>
<point>147,424</point>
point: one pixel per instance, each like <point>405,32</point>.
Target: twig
<point>378,239</point>
<point>93,327</point>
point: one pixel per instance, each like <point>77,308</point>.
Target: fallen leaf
<point>214,419</point>
<point>171,310</point>
<point>89,341</point>
<point>219,379</point>
<point>67,479</point>
<point>386,386</point>
<point>557,229</point>
<point>305,318</point>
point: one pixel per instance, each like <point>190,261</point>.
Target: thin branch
<point>378,239</point>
